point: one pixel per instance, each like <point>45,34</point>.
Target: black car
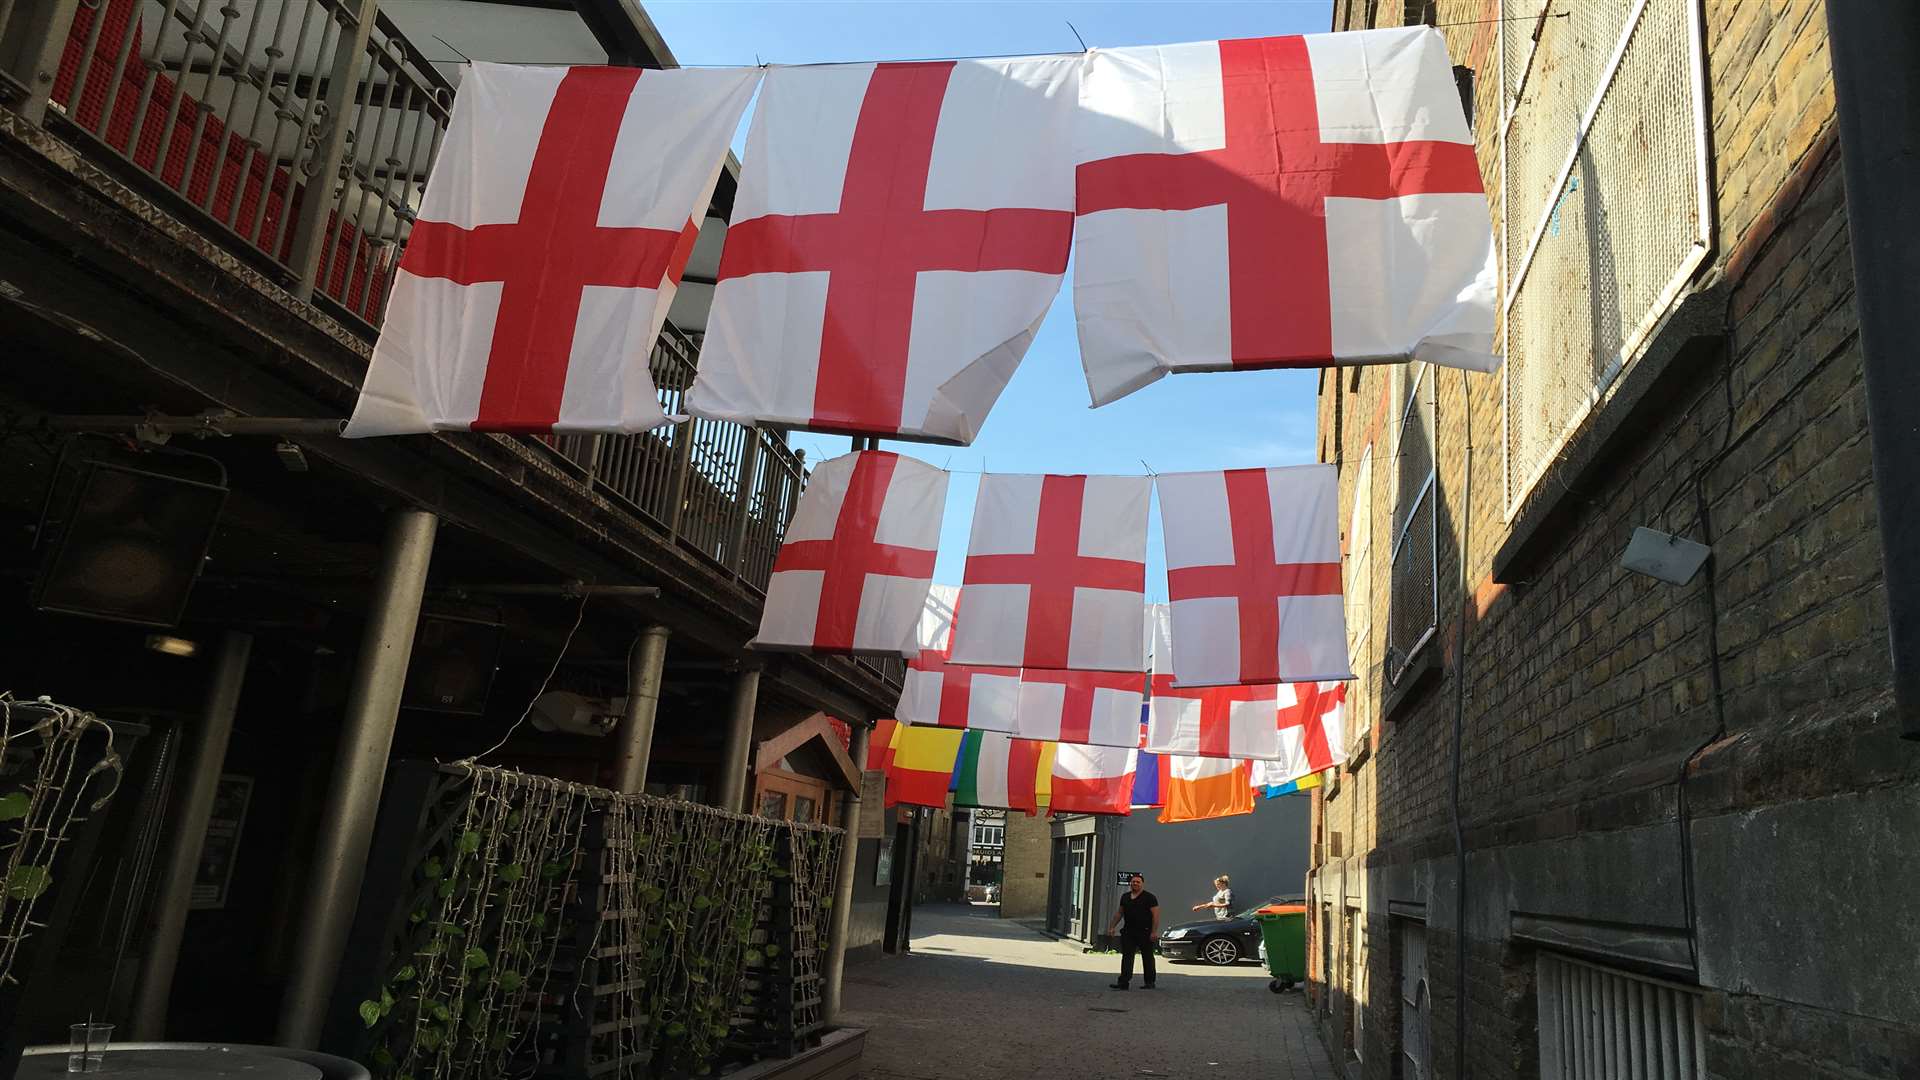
<point>1218,941</point>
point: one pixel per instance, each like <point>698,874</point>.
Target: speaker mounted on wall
<point>453,662</point>
<point>124,534</point>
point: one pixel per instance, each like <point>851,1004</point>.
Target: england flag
<point>1278,202</point>
<point>899,233</point>
<point>548,248</point>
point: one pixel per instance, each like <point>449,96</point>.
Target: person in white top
<point>1222,902</point>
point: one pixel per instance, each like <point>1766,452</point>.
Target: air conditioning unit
<point>575,714</point>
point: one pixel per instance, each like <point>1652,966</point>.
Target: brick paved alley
<point>987,999</point>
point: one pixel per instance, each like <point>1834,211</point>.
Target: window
<point>1414,589</point>
<point>1416,1003</point>
<point>1599,1021</point>
<point>1604,204</point>
<point>1360,601</point>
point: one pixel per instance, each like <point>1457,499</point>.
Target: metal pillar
<point>353,793</point>
<point>734,765</point>
<point>843,885</point>
<point>200,782</point>
<point>646,661</point>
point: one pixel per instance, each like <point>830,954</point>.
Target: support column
<point>843,884</point>
<point>646,662</point>
<point>200,781</point>
<point>353,793</point>
<point>734,765</point>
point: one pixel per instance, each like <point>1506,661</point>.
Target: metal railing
<point>299,134</point>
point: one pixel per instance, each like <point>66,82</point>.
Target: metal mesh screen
<point>1596,249</point>
<point>1411,605</point>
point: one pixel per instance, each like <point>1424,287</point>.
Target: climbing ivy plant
<point>59,766</point>
<point>489,897</point>
<point>542,908</point>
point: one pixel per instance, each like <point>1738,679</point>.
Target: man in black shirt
<point>1139,922</point>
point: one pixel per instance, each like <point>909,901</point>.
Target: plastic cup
<point>87,1048</point>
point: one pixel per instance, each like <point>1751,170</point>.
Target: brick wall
<point>1028,859</point>
<point>1589,689</point>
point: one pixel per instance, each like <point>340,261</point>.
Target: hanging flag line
<point>1055,581</point>
<point>984,769</point>
<point>900,229</point>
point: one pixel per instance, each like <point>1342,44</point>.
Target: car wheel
<point>1219,950</point>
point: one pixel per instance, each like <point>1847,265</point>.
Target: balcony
<point>298,135</point>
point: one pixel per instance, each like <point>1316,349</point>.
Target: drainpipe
<point>1876,74</point>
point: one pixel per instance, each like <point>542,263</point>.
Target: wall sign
<point>222,844</point>
<point>873,792</point>
<point>1125,878</point>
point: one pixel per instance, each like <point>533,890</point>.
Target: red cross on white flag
<point>1214,721</point>
<point>1253,576</point>
<point>945,694</point>
<point>1278,202</point>
<point>899,233</point>
<point>854,568</point>
<point>548,248</point>
<point>1313,727</point>
<point>1056,573</point>
<point>1099,708</point>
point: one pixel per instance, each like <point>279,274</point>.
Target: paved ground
<point>982,998</point>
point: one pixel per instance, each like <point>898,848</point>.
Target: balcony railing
<point>300,134</point>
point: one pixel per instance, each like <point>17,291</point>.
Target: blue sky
<point>1042,422</point>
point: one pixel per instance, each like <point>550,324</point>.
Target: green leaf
<point>773,950</point>
<point>404,974</point>
<point>432,868</point>
<point>476,958</point>
<point>675,1030</point>
<point>382,1058</point>
<point>754,956</point>
<point>15,806</point>
<point>539,921</point>
<point>370,1013</point>
<point>652,894</point>
<point>719,1031</point>
<point>386,1002</point>
<point>512,872</point>
<point>419,916</point>
<point>27,882</point>
<point>469,842</point>
<point>498,1040</point>
<point>511,981</point>
<point>450,929</point>
<point>431,1038</point>
<point>702,902</point>
<point>439,1011</point>
<point>444,889</point>
<point>553,869</point>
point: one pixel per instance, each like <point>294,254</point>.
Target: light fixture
<point>291,456</point>
<point>1672,559</point>
<point>172,646</point>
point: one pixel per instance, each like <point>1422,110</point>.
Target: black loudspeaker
<point>452,665</point>
<point>125,536</point>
